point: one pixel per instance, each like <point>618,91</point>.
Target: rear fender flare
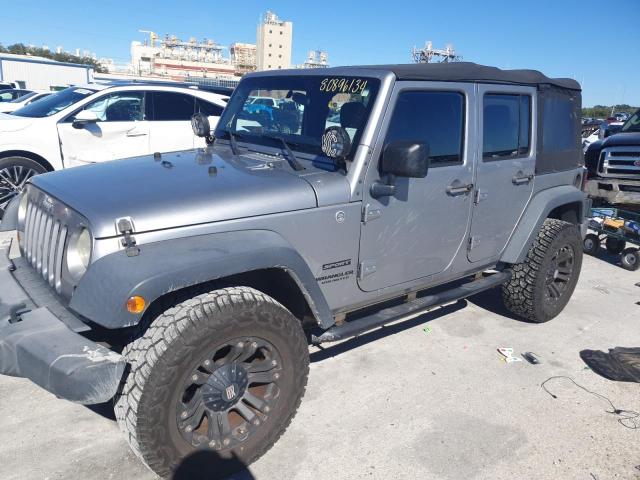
<point>536,213</point>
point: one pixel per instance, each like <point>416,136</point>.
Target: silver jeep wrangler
<point>187,286</point>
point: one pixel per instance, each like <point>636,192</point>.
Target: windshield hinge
<point>370,213</point>
<point>125,227</point>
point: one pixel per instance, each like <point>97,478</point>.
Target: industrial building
<point>38,73</point>
<point>274,40</point>
<point>177,59</point>
<point>243,57</point>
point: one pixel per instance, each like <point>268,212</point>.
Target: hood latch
<point>125,227</point>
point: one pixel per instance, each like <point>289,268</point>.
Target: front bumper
<point>40,339</point>
<point>615,191</point>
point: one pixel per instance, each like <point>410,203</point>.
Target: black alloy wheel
<point>229,394</point>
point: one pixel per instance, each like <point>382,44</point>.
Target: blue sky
<point>593,41</point>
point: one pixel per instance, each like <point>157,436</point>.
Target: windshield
<point>633,124</point>
<point>53,104</point>
<point>23,98</point>
<point>298,109</point>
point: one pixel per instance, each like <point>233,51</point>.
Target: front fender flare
<point>536,213</point>
<point>170,265</point>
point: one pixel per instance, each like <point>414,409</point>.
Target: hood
<point>622,139</point>
<point>11,123</point>
<point>177,189</point>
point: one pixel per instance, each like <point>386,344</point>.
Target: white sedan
<point>97,123</point>
<point>13,105</point>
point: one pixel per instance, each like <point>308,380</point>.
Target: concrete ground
<point>430,399</point>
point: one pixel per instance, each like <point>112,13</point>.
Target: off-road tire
<point>630,259</point>
<point>591,244</point>
<point>524,294</point>
<point>615,246</point>
<point>145,405</point>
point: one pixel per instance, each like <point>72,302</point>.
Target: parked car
<point>11,94</point>
<point>13,105</point>
<point>96,123</point>
<point>210,271</point>
<point>613,163</point>
<point>7,85</point>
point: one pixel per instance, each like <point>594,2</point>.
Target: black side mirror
<point>405,158</point>
<point>402,158</point>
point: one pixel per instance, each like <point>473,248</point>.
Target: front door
<point>120,132</point>
<point>506,167</point>
<point>418,231</point>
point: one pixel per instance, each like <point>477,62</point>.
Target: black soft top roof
<point>472,72</point>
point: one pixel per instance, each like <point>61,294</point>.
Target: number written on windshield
<point>343,85</point>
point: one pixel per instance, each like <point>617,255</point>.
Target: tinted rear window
<point>172,106</point>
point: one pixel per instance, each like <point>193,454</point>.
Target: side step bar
<point>391,314</point>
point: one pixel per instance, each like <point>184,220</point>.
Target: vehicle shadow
<point>208,465</point>
<point>605,256</point>
<point>105,410</point>
<point>491,300</point>
<point>382,332</point>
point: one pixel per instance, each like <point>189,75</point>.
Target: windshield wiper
<point>291,158</point>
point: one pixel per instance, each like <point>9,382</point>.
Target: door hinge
<point>125,227</point>
<point>479,196</point>
<point>370,213</point>
<point>473,243</point>
<point>366,268</point>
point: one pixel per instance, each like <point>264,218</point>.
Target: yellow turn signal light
<point>136,304</point>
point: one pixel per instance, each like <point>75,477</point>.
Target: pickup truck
<point>613,165</point>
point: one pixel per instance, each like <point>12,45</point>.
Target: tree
<point>22,49</point>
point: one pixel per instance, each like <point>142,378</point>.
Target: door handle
<point>135,133</point>
<point>521,180</point>
<point>462,190</point>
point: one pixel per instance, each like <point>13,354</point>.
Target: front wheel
<point>591,244</point>
<point>541,286</point>
<point>222,373</point>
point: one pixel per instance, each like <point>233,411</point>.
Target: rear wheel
<point>541,286</point>
<point>615,246</point>
<point>591,244</point>
<point>220,375</point>
<point>14,173</point>
<point>631,259</point>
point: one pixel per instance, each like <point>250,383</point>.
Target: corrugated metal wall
<point>42,76</point>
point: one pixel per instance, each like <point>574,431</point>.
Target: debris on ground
<point>507,353</point>
<point>531,357</point>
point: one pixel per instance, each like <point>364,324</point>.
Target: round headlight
<point>79,253</point>
<point>22,210</point>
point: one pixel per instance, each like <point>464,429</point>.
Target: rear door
<point>120,132</point>
<point>506,167</point>
<point>170,126</point>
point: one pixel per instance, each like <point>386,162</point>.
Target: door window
<point>507,126</point>
<point>118,107</point>
<point>433,117</point>
<point>208,108</point>
<point>172,106</point>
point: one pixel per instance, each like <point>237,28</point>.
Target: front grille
<point>620,162</point>
<point>43,243</point>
